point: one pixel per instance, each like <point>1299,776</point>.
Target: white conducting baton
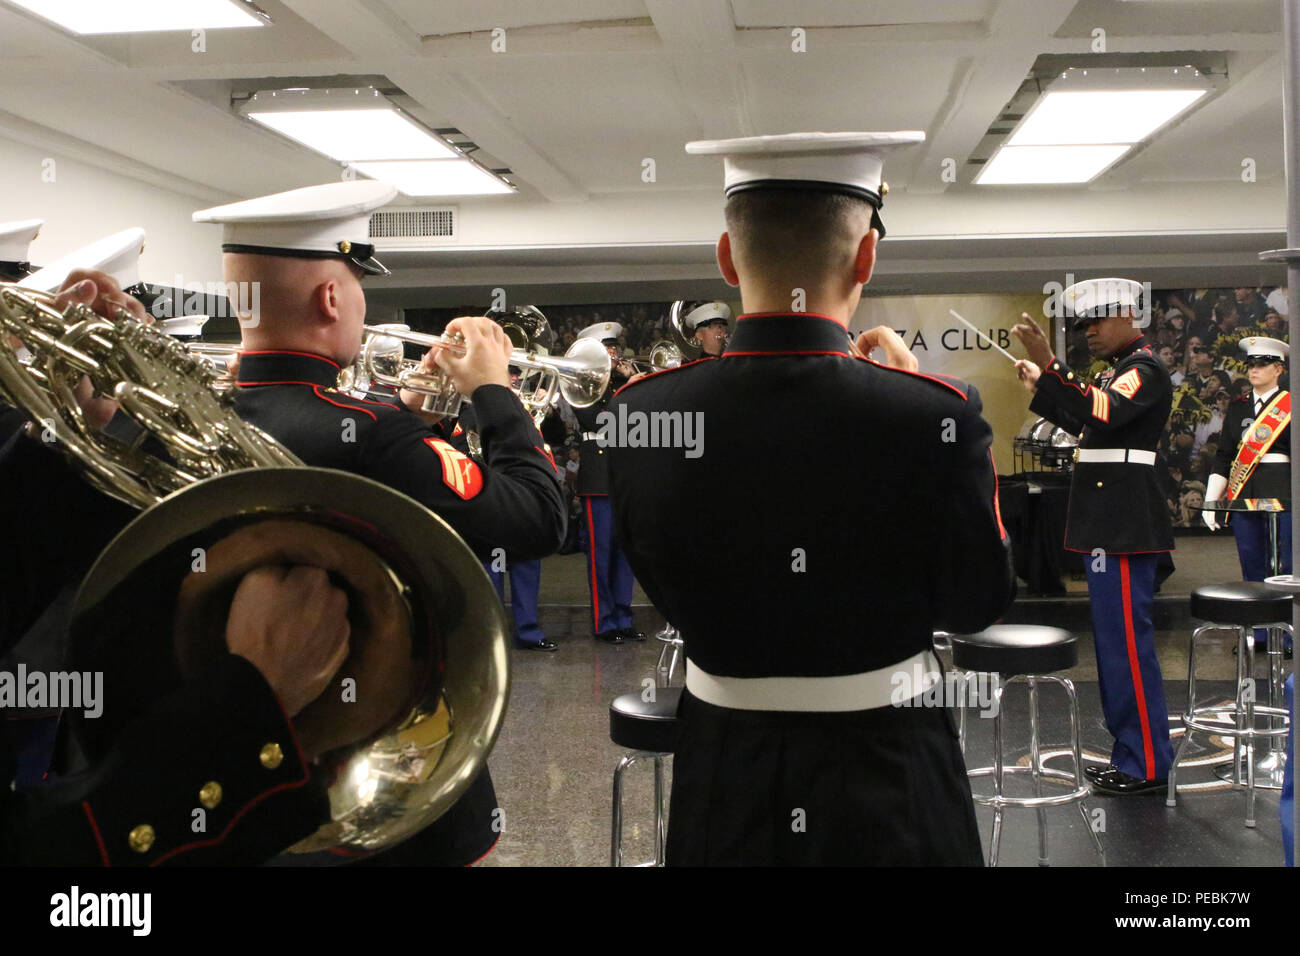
<point>1009,356</point>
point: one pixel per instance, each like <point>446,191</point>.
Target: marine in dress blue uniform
<point>841,555</point>
<point>513,500</point>
<point>609,576</point>
<point>525,573</point>
<point>1257,429</point>
<point>1117,517</point>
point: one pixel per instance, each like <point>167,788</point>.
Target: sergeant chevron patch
<point>1128,383</point>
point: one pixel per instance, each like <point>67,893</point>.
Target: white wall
<point>85,203</point>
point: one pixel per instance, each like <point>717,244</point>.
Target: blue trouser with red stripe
<point>608,574</point>
<point>525,582</point>
<point>1255,552</point>
<point>1122,592</point>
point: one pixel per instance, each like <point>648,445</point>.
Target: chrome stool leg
<point>1171,795</point>
<point>1077,747</point>
<point>616,832</point>
<point>1035,759</point>
<point>1246,689</point>
<point>661,830</point>
<point>996,841</point>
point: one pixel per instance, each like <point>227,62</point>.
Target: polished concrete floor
<point>554,762</point>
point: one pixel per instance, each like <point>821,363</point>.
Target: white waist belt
<point>590,436</point>
<point>1274,458</point>
<point>865,691</point>
<point>1135,456</point>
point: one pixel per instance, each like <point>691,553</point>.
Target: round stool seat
<point>646,725</point>
<point>1015,649</point>
<point>1247,603</point>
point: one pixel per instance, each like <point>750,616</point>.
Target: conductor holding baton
<point>1117,515</point>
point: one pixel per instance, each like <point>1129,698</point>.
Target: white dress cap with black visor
<point>15,238</point>
<point>331,221</point>
<point>602,331</point>
<point>1261,350</point>
<point>1094,299</point>
<point>708,312</point>
<point>117,255</point>
<point>848,163</point>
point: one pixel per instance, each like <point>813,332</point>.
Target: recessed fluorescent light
<point>1083,117</point>
<point>1048,164</point>
<point>145,16</point>
<point>356,134</point>
<point>439,177</point>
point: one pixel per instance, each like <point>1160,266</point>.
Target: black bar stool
<point>1239,606</point>
<point>647,729</point>
<point>1028,653</point>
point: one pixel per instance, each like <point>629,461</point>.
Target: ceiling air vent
<point>414,228</point>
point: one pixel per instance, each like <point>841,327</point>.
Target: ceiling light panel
<point>145,16</point>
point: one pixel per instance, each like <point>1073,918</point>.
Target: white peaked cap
<point>1254,345</point>
<point>317,222</point>
<point>15,237</point>
<point>118,255</point>
<point>1098,298</point>
<point>852,163</point>
<point>601,331</point>
<point>183,326</point>
<point>707,312</point>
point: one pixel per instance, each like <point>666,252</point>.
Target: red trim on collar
<point>791,352</point>
<point>664,371</point>
<point>289,352</point>
<point>794,315</point>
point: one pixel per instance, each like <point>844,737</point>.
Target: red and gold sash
<point>1272,421</point>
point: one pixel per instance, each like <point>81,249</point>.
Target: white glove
<point>1214,490</point>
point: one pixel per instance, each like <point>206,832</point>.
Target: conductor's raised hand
<point>897,354</point>
<point>486,358</point>
<point>1034,340</point>
<point>1028,374</point>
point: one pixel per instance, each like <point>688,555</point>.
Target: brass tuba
<point>425,617</point>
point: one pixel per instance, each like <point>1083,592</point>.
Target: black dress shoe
<point>542,645</point>
<point>1119,784</point>
<point>1095,771</point>
<point>609,637</point>
<point>632,634</point>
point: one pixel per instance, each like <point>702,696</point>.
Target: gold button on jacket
<point>210,794</point>
<point>141,838</point>
<point>271,756</point>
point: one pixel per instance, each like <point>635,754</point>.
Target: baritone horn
<point>581,375</point>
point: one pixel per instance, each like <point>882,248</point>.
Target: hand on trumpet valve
<point>485,359</point>
<point>897,354</point>
<point>415,400</point>
<point>291,624</point>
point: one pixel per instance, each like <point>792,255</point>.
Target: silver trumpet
<point>581,375</point>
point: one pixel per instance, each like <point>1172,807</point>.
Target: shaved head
<point>313,305</point>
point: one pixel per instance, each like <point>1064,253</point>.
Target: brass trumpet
<point>663,355</point>
<point>581,375</point>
